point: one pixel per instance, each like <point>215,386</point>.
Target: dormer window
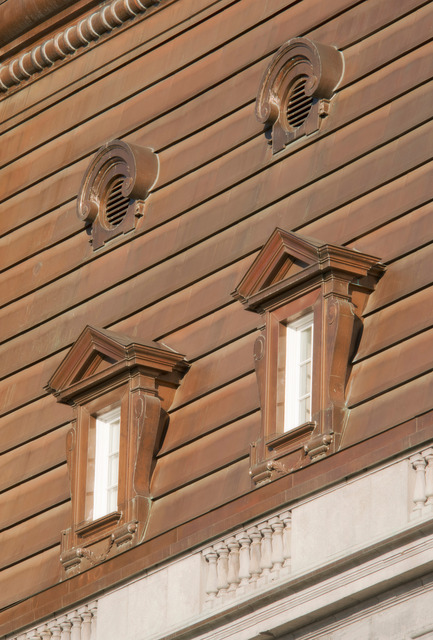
<point>309,296</point>
<point>120,389</point>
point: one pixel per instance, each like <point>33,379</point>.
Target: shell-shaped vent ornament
<point>297,88</point>
<point>114,188</point>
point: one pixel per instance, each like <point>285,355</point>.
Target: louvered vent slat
<point>116,205</point>
<point>299,105</point>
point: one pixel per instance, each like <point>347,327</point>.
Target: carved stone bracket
<point>318,447</point>
<point>114,187</point>
<point>67,42</point>
<point>296,89</point>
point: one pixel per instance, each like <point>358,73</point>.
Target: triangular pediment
<point>290,258</point>
<point>98,353</point>
<point>283,255</point>
<point>94,350</point>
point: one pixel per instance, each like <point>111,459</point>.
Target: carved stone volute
<point>296,89</point>
<point>113,190</point>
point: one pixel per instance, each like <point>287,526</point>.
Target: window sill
<point>291,440</point>
<point>102,524</point>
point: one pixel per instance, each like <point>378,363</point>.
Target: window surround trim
<point>293,275</point>
<point>101,370</point>
<point>85,416</point>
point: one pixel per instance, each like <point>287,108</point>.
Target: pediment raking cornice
<point>289,259</point>
<point>99,354</point>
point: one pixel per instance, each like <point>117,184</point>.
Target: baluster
<point>286,519</point>
<point>211,557</point>
<point>266,556</point>
<point>428,455</point>
<point>33,635</point>
<point>75,619</point>
<point>419,464</point>
<point>222,567</point>
<point>65,626</point>
<point>244,561</point>
<point>255,554</point>
<point>93,608</point>
<point>86,626</point>
<point>233,572</point>
<point>55,631</point>
<point>45,633</point>
<point>277,545</point>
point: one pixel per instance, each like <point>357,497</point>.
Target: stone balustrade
<point>79,624</point>
<point>422,498</point>
<point>248,560</point>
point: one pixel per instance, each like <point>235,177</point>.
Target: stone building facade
<point>215,380</point>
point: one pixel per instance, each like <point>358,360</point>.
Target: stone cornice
<point>19,16</point>
<point>70,40</point>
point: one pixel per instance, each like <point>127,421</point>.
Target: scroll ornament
<point>113,190</point>
<point>296,89</point>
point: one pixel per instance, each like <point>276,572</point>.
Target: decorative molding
<point>293,275</point>
<point>105,369</point>
<point>289,260</point>
<point>99,355</point>
<point>296,89</point>
<point>113,189</point>
<point>70,40</point>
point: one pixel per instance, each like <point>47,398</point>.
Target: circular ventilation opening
<point>299,104</point>
<point>116,205</point>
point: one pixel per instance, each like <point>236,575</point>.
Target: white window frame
<point>106,451</point>
<point>293,416</point>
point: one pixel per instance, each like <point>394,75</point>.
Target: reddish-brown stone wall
<point>182,79</point>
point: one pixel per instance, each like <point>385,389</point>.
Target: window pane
<point>305,349</point>
<point>304,410</point>
<point>305,379</point>
<point>112,500</point>
<point>113,471</point>
<point>106,463</point>
<point>114,436</point>
<point>298,374</point>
